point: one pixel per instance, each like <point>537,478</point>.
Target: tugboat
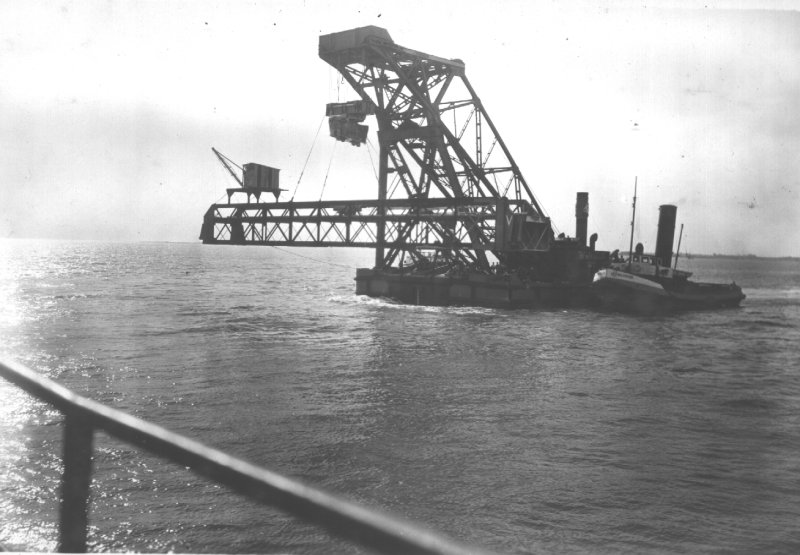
<point>648,284</point>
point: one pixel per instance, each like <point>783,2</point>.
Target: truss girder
<point>409,225</point>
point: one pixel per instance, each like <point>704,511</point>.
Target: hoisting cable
<point>393,186</point>
<point>310,258</point>
<point>327,173</point>
<point>314,142</point>
<point>231,161</point>
<point>369,146</point>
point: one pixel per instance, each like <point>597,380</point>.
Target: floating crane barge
<point>454,221</point>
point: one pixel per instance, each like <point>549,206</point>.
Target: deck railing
<point>82,417</point>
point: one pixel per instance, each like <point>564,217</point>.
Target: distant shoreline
<point>738,256</point>
<point>197,242</point>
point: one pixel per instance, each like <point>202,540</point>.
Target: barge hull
<point>472,290</point>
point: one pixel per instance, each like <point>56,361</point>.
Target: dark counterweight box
<point>261,178</point>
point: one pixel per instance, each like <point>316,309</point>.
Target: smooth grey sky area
<point>109,110</point>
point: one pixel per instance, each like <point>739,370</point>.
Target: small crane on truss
<point>255,179</point>
<point>227,163</point>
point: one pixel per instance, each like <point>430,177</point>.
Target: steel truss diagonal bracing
<point>446,181</point>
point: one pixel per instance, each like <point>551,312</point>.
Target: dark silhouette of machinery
<point>451,201</point>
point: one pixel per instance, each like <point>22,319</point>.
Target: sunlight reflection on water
<point>516,430</point>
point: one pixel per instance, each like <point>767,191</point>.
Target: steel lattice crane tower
<point>436,138</point>
<point>449,193</point>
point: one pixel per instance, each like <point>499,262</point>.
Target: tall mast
<point>633,219</point>
<point>678,252</point>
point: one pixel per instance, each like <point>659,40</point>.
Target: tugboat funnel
<point>581,217</point>
<point>666,234</point>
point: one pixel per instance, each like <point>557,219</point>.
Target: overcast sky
<point>109,110</point>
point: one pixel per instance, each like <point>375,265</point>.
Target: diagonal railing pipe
<point>364,526</point>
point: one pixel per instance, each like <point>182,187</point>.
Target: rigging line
<point>508,186</point>
<point>219,154</point>
<point>232,162</point>
<point>310,258</point>
<point>393,187</point>
<point>314,142</point>
<point>369,146</point>
<point>327,173</point>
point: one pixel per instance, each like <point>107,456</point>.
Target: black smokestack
<point>666,233</point>
<point>581,217</point>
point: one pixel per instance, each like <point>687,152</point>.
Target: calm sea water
<point>516,431</point>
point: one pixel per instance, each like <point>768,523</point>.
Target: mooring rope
<point>311,258</point>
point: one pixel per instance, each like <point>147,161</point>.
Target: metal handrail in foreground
<point>83,416</point>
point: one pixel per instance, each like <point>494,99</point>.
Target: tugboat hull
<point>625,292</point>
